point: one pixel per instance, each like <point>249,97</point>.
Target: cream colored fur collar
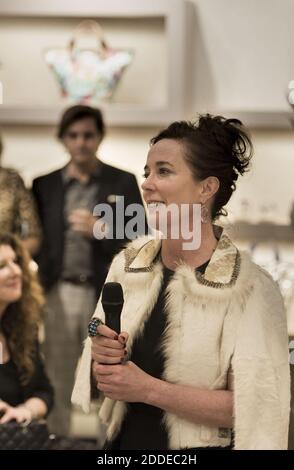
<point>222,270</point>
<point>231,315</point>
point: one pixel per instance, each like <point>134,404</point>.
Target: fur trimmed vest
<point>232,316</point>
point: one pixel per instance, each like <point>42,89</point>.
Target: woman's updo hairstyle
<point>214,146</point>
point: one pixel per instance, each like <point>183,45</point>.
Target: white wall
<point>243,53</point>
<point>27,80</point>
<point>270,182</point>
<point>242,57</point>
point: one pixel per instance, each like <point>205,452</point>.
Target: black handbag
<point>73,443</point>
<point>33,436</point>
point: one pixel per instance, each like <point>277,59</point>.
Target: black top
<point>14,393</point>
<point>143,426</point>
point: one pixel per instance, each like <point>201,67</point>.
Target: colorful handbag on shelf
<point>84,73</point>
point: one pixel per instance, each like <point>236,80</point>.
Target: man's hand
<point>82,221</point>
<point>87,224</point>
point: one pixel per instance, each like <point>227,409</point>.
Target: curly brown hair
<point>21,319</point>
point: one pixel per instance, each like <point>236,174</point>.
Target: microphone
<point>112,303</point>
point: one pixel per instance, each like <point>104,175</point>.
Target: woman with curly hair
<point>25,391</point>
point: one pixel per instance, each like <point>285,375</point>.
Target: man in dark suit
<point>73,263</point>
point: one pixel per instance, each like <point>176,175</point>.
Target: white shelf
<point>86,8</point>
<point>270,119</point>
<point>174,14</point>
<point>139,115</point>
<point>262,232</point>
<point>115,115</point>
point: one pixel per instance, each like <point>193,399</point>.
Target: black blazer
<point>49,193</point>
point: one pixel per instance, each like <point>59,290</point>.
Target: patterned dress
<point>17,209</point>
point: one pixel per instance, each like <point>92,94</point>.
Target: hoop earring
<point>204,214</point>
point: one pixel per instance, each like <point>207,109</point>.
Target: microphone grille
<point>112,293</point>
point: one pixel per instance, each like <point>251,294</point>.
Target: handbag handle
<point>89,27</point>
